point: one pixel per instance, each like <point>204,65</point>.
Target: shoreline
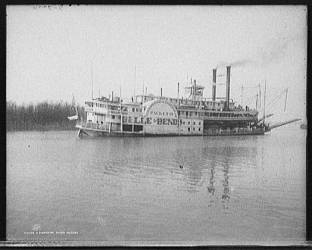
<point>41,129</point>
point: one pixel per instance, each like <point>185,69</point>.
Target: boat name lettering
<point>161,113</point>
<point>161,121</point>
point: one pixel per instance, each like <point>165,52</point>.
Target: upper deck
<point>186,108</point>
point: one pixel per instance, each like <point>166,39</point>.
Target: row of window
<point>189,122</point>
<point>189,129</point>
<point>113,107</point>
<point>212,114</point>
<point>137,109</point>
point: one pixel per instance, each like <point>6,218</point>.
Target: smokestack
<point>112,96</point>
<point>160,92</point>
<point>228,77</point>
<point>214,83</point>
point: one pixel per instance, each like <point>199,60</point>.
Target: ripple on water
<point>163,189</point>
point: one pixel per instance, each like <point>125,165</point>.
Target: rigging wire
<point>276,99</point>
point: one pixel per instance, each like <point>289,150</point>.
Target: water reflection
<point>226,186</point>
<point>134,188</point>
<point>157,162</point>
<point>211,188</point>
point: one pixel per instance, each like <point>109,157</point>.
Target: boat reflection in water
<point>228,190</point>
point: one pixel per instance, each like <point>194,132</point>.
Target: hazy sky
<point>51,50</point>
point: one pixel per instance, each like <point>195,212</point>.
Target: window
<point>199,123</point>
<point>189,123</point>
<point>113,117</point>
<point>132,109</point>
<point>193,123</point>
<point>193,129</point>
<point>137,128</point>
<point>188,129</point>
<point>198,129</point>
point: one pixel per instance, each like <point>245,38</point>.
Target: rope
<point>274,101</point>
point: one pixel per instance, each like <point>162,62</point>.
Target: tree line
<point>41,116</point>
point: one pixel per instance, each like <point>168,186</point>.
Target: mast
<point>264,101</point>
<point>134,83</point>
<point>178,94</point>
<point>285,100</point>
<point>143,94</point>
<point>194,93</point>
<point>242,90</point>
<point>121,125</point>
<point>259,95</point>
<point>92,79</point>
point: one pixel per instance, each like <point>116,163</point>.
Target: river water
<point>166,190</point>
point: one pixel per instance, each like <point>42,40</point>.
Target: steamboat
<point>149,115</point>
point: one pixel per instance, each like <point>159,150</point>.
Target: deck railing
<point>239,131</point>
<point>94,125</point>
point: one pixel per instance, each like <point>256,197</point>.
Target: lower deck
<point>97,131</point>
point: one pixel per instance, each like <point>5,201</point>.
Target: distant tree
<point>41,116</point>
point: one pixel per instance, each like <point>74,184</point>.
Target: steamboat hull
<point>91,132</point>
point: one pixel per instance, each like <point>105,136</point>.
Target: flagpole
<point>121,122</point>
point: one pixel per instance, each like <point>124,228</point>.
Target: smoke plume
<point>273,52</point>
